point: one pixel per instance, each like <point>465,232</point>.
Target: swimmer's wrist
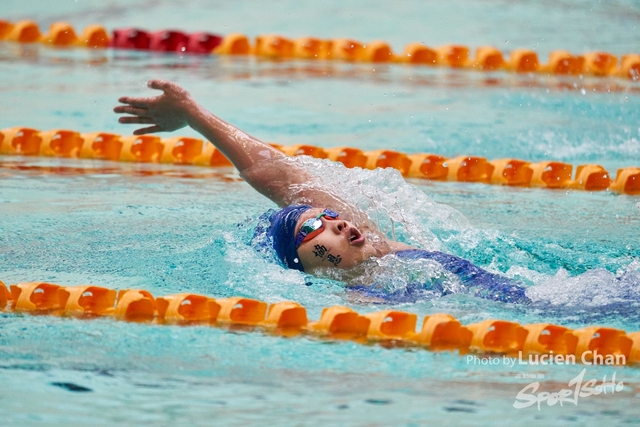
<point>197,117</point>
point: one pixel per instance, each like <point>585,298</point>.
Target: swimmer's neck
<point>386,246</point>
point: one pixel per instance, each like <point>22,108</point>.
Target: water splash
<point>593,288</point>
<point>405,213</point>
<point>399,209</point>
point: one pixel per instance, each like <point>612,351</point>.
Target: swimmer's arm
<point>290,183</point>
<point>269,171</point>
<point>175,109</point>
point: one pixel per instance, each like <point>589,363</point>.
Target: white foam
<point>593,288</point>
<point>399,209</point>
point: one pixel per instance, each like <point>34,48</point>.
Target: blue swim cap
<point>281,231</point>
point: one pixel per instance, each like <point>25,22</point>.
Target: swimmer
<point>314,230</point>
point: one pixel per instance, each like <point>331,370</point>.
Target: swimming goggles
<point>313,226</point>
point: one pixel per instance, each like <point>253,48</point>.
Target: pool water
<point>172,229</point>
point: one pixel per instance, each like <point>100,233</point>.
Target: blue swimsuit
<point>477,281</point>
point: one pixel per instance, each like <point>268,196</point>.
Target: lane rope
<point>487,58</point>
<point>439,332</point>
<point>193,151</point>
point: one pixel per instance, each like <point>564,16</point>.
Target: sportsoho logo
<point>577,388</point>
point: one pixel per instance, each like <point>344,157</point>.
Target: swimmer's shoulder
<point>399,246</point>
<point>384,246</point>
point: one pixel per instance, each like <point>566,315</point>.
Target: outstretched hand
<point>165,113</point>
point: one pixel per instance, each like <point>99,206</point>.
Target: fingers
<point>136,102</point>
<point>127,109</point>
<point>162,85</point>
<point>152,110</point>
<point>136,119</point>
<point>169,88</point>
<point>150,129</point>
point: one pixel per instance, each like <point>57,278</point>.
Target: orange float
<point>309,48</point>
<point>391,325</point>
<point>181,150</point>
<point>629,67</point>
<point>19,140</point>
<point>591,178</point>
<point>523,61</point>
<point>60,34</point>
<point>545,338</point>
<point>590,344</point>
<point>233,44</point>
<point>511,172</point>
<point>469,169</point>
<point>344,49</point>
<point>429,166</point>
<point>419,54</point>
<point>350,157</point>
<point>497,336</point>
<point>94,37</point>
<point>35,296</point>
<point>563,62</point>
<point>627,181</point>
<point>340,322</point>
<point>241,311</point>
<point>61,143</point>
<point>452,55</point>
<point>87,300</point>
<point>286,315</point>
<point>599,63</point>
<point>211,156</point>
<point>551,174</point>
<point>24,32</point>
<point>181,308</point>
<point>388,159</point>
<point>376,51</point>
<point>143,148</point>
<point>101,145</point>
<point>274,46</point>
<point>487,58</point>
<point>304,150</point>
<point>135,305</point>
<point>443,332</point>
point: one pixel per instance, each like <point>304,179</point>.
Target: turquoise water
<point>173,229</point>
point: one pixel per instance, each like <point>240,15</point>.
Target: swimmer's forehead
<point>311,213</point>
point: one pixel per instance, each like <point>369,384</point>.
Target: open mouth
<point>355,237</point>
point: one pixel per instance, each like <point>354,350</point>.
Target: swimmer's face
<point>339,245</point>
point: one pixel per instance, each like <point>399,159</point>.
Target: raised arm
<point>266,169</point>
<point>175,109</point>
